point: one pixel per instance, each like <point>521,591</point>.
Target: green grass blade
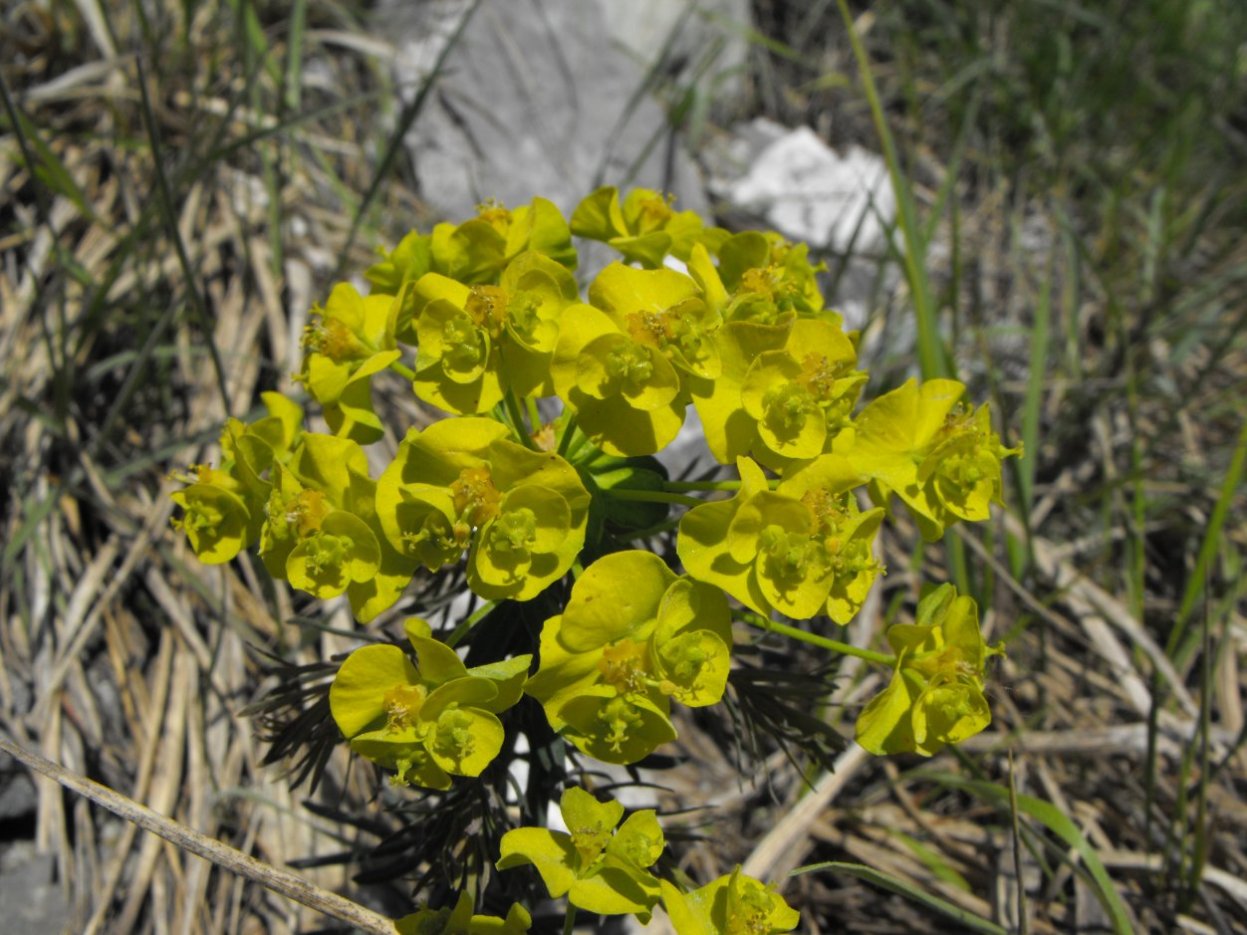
<point>1059,824</point>
<point>909,891</point>
<point>933,861</point>
<point>165,197</point>
<point>41,161</point>
<point>1211,544</point>
<point>405,120</point>
<point>932,356</point>
<point>293,92</point>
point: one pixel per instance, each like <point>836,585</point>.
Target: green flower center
<point>673,327</point>
<point>454,735</point>
<point>325,552</point>
<point>523,314</point>
<point>402,706</point>
<point>436,531</point>
<point>630,365</point>
<point>623,666</point>
<point>850,557</point>
<point>590,841</point>
<point>654,213</point>
<point>620,720</point>
<point>786,408</point>
<point>830,510</point>
<point>684,660</point>
<point>750,913</point>
<point>966,470</point>
<point>943,666</point>
<point>514,531</point>
<point>636,848</point>
<point>464,347</point>
<point>787,555</point>
<point>202,516</point>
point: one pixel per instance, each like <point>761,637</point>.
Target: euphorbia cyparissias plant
<point>529,473</point>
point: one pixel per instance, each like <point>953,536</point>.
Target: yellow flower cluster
<point>487,323</point>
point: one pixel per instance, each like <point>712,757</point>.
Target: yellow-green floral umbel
<point>734,904</point>
<point>802,549</point>
<point>461,483</point>
<point>598,863</point>
<point>462,921</point>
<point>935,696</point>
<point>938,455</point>
<point>427,722</point>
<point>512,482</point>
<point>634,636</point>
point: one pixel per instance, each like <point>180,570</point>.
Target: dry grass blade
<point>784,846</point>
<point>274,878</point>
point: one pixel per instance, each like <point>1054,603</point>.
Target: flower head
<point>802,549</point>
<point>461,921</point>
<point>350,340</point>
<point>633,637</point>
<point>643,227</point>
<point>462,485</point>
<point>734,904</point>
<point>938,455</point>
<point>598,863</point>
<point>428,721</point>
<point>935,696</point>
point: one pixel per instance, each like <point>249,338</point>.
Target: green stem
<point>869,655</point>
<point>403,371</point>
<point>651,531</point>
<point>465,626</point>
<point>569,924</point>
<point>652,496</point>
<point>517,420</point>
<point>578,455</point>
<point>931,356</point>
<point>677,486</point>
<point>534,414</point>
<point>565,438</point>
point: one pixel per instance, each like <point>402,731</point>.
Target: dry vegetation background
<point>178,187</point>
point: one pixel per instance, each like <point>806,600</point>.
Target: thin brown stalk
<point>274,878</point>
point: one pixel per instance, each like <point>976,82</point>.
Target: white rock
<point>696,36</point>
<point>808,192</point>
<point>535,98</point>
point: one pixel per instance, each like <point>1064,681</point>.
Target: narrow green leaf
<point>1211,544</point>
<point>909,891</point>
<point>1059,824</point>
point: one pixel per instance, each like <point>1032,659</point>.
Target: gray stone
<point>700,42</point>
<point>838,203</point>
<point>17,790</point>
<point>535,98</point>
<point>33,903</point>
<point>809,192</point>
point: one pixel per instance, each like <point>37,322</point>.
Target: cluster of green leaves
<point>733,324</point>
